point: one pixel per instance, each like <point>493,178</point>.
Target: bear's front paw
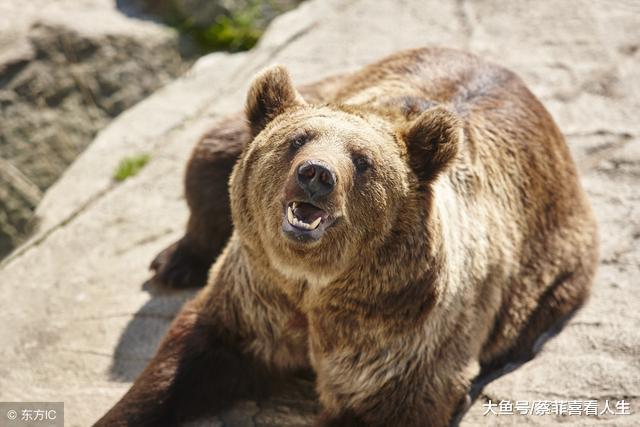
<point>178,267</point>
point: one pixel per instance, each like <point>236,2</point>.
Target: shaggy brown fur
<point>451,233</point>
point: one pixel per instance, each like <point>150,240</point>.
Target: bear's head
<point>320,185</point>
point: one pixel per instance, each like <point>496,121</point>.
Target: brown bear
<point>395,230</point>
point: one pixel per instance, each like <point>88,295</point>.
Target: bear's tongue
<point>307,212</point>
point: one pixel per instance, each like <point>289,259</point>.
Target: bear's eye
<point>298,140</point>
<point>362,163</point>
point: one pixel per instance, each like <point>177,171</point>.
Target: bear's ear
<point>271,93</point>
<point>433,141</point>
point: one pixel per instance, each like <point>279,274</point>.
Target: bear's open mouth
<point>305,215</point>
<point>304,221</point>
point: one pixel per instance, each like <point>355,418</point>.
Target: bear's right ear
<point>433,141</point>
<point>271,93</point>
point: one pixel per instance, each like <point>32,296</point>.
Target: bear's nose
<point>316,178</point>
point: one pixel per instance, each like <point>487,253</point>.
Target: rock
<point>18,199</point>
<point>66,70</point>
<point>83,323</point>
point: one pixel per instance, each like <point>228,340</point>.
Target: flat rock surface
<point>79,324</point>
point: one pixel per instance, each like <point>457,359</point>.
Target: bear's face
<point>318,185</point>
<point>322,183</point>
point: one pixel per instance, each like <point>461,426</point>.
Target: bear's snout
<point>316,178</point>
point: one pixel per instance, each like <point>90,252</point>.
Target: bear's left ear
<point>433,141</point>
<point>271,93</point>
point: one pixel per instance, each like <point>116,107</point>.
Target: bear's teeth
<point>299,223</point>
<point>290,216</point>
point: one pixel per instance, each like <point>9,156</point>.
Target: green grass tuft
<point>130,166</point>
<point>234,33</point>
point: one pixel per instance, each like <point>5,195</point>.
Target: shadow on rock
<point>141,338</point>
<point>140,9</point>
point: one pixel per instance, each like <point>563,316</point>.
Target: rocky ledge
<point>67,68</point>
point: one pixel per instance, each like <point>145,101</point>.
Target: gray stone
<point>82,324</point>
<point>18,199</point>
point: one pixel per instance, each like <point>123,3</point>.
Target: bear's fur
<point>453,232</point>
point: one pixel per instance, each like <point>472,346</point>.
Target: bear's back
<point>437,75</point>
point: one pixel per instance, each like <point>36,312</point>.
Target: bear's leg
<point>402,383</point>
<point>403,404</point>
<point>562,298</point>
<point>198,369</point>
<point>232,341</point>
<point>186,262</point>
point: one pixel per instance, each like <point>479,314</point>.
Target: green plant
<point>130,166</point>
<point>236,32</point>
